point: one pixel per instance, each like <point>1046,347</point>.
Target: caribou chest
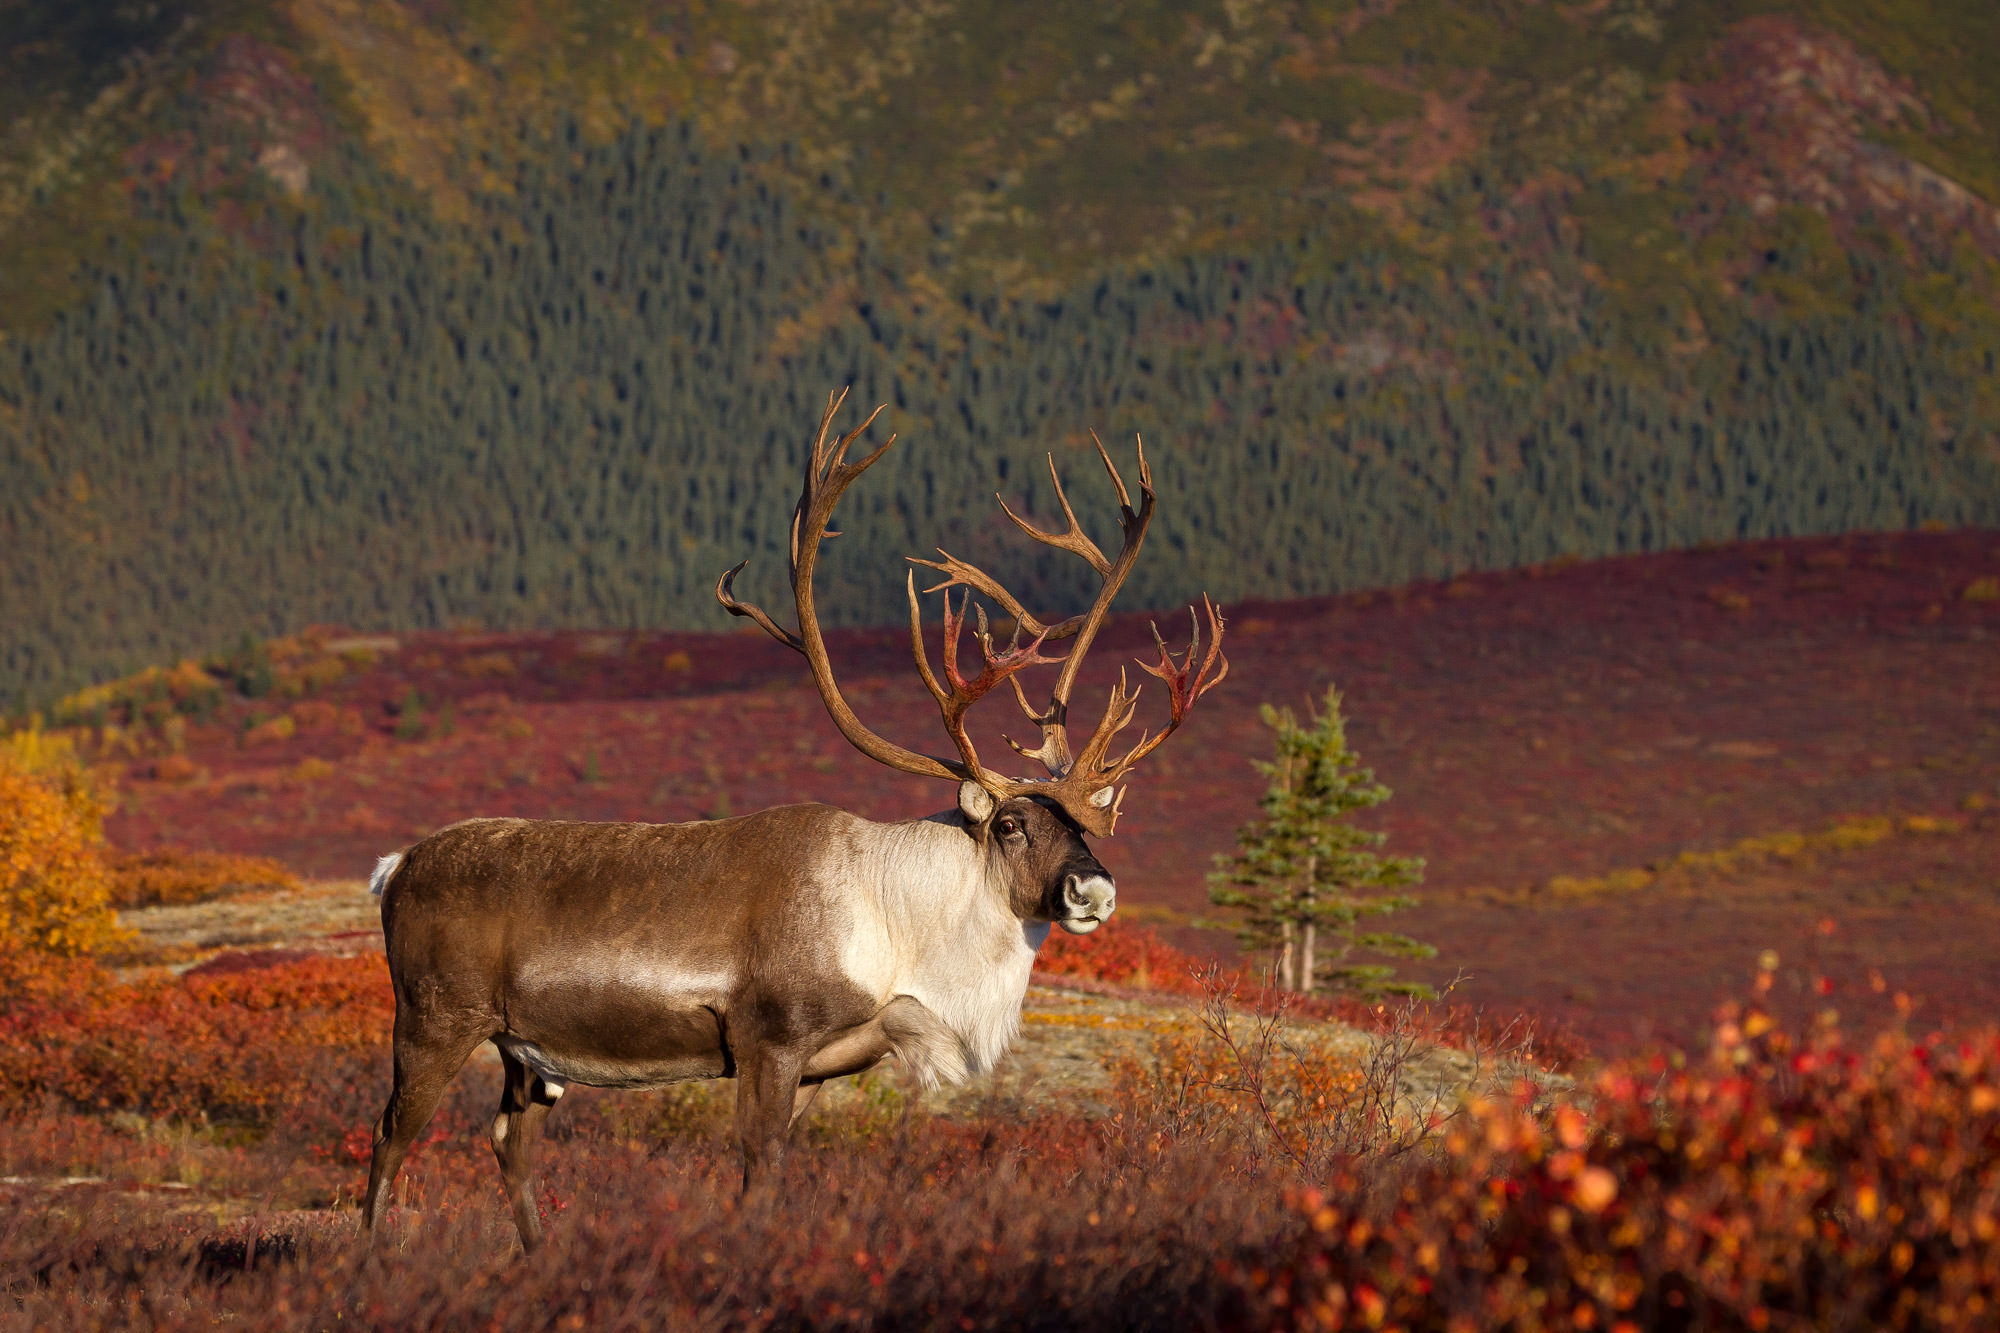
<point>924,917</point>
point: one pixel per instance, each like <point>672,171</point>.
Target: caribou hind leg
<point>525,1100</point>
<point>424,1065</point>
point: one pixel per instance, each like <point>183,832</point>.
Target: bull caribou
<point>791,946</point>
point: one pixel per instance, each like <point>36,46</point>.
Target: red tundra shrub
<point>1777,1187</point>
<point>1122,955</point>
<point>236,1045</point>
<point>177,875</point>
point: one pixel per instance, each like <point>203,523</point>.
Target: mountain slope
<point>415,315</point>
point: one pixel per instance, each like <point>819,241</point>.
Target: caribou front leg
<point>905,1028</point>
<point>767,1085</point>
<point>802,1102</point>
<point>774,1087</point>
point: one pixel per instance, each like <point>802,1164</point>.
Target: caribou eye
<point>1009,827</point>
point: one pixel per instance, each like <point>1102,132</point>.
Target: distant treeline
<point>579,405</point>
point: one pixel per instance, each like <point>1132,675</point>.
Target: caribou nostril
<point>1091,895</point>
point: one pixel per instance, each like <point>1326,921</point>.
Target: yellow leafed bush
<point>54,893</point>
<point>51,756</point>
<point>272,731</point>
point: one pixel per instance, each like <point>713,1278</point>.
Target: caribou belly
<point>599,1071</point>
<point>632,1025</point>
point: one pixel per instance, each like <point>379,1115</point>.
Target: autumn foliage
<point>230,1045</point>
<point>1122,954</point>
<point>54,892</point>
<point>1253,1173</point>
<point>177,875</point>
<point>1782,1184</point>
<point>1782,1180</point>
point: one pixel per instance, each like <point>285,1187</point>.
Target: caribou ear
<point>976,803</point>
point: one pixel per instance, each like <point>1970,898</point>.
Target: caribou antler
<point>1185,684</point>
<point>954,703</point>
<point>1054,749</point>
<point>827,476</point>
<point>1084,785</point>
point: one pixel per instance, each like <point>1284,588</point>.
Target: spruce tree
<point>1304,882</point>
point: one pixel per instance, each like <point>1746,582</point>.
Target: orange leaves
<point>1593,1189</point>
<point>236,1045</point>
<point>176,875</point>
<point>54,896</point>
<point>1826,1189</point>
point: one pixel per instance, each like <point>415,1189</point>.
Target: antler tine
<point>1054,749</point>
<point>1133,522</point>
<point>725,592</point>
<point>1028,710</point>
<point>962,574</point>
<point>957,700</point>
<point>1073,539</point>
<point>922,657</point>
<point>815,461</point>
<point>1183,688</point>
<point>827,477</point>
<point>1118,712</point>
<point>840,450</point>
<point>834,398</point>
<point>1118,482</point>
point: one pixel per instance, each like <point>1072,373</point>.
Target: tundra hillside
<point>414,316</point>
<point>183,1110</point>
<point>1628,779</point>
<point>183,1151</point>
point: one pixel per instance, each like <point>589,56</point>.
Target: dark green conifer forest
<point>583,391</point>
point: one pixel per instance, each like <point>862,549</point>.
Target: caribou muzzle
<point>1087,900</point>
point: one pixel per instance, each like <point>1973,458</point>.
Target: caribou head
<point>1037,852</point>
<point>797,944</point>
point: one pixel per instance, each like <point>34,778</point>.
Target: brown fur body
<point>780,949</point>
<point>790,946</point>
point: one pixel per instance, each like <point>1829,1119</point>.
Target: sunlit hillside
<point>514,314</point>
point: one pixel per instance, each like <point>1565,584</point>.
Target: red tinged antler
<point>954,702</point>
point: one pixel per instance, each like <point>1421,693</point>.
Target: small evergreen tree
<point>1304,882</point>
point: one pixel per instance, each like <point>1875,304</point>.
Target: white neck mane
<point>929,921</point>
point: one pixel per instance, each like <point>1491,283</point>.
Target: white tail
<point>384,868</point>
